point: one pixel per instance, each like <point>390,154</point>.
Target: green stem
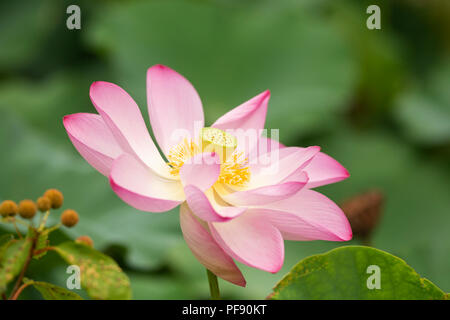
<point>213,285</point>
<point>43,221</point>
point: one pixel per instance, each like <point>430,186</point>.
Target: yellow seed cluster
<point>234,171</point>
<point>218,137</point>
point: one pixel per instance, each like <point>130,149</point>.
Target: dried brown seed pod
<point>363,212</point>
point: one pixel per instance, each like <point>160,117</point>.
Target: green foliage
<point>42,243</point>
<point>52,292</point>
<point>100,275</point>
<point>18,43</point>
<point>343,274</point>
<point>304,62</point>
<point>4,243</point>
<point>12,260</point>
<point>377,101</point>
<point>424,112</point>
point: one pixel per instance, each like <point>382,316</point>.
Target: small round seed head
<point>69,218</point>
<point>27,209</point>
<point>56,197</point>
<point>85,240</point>
<point>8,208</point>
<point>44,204</point>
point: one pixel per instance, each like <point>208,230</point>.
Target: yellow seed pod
<point>44,204</point>
<point>56,197</point>
<point>69,218</point>
<point>27,209</point>
<point>218,141</point>
<point>85,240</point>
<point>8,208</point>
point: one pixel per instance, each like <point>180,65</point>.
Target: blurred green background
<point>376,100</point>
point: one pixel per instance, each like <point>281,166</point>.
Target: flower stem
<point>213,285</point>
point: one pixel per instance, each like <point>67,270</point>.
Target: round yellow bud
<point>69,218</point>
<point>44,204</point>
<point>27,209</point>
<point>56,198</point>
<point>85,240</point>
<point>8,208</point>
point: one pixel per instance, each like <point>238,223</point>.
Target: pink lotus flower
<point>234,204</point>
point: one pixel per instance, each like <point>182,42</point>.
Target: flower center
<point>218,141</point>
<point>234,169</point>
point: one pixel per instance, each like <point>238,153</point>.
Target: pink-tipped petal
<point>174,106</point>
<point>278,165</point>
<point>323,170</point>
<point>93,140</point>
<point>123,117</point>
<point>201,171</point>
<point>246,121</point>
<point>251,240</point>
<point>264,195</point>
<point>308,215</point>
<point>264,145</point>
<point>142,188</point>
<point>206,250</point>
<point>208,207</point>
<point>249,115</point>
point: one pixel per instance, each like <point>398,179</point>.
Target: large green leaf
<point>12,260</point>
<point>52,292</point>
<point>349,273</point>
<point>100,275</point>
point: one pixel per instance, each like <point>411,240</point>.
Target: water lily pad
<point>351,273</point>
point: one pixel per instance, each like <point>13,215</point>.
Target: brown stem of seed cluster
<point>15,292</point>
<point>19,291</point>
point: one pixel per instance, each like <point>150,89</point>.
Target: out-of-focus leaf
<point>100,275</point>
<point>345,273</point>
<point>4,243</point>
<point>424,114</point>
<point>24,28</point>
<point>52,292</point>
<point>415,191</point>
<point>11,262</point>
<point>380,64</point>
<point>231,55</point>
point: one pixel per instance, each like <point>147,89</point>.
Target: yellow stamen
<point>180,153</point>
<point>234,170</point>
